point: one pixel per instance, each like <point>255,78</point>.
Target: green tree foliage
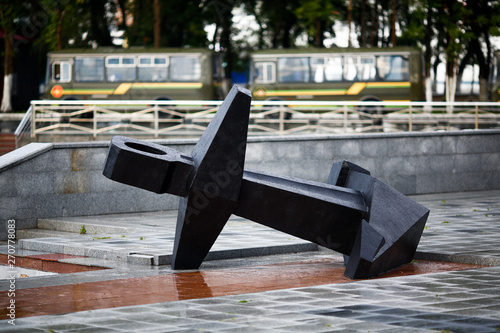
<point>277,20</point>
<point>483,22</point>
<point>318,17</point>
<point>420,27</point>
<point>220,13</point>
<point>182,23</point>
<point>91,29</point>
<point>18,27</point>
<point>8,31</point>
<point>454,31</point>
<point>376,22</point>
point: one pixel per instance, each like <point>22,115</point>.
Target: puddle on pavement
<point>40,265</point>
<point>197,284</point>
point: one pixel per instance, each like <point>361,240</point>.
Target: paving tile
<point>462,226</point>
<point>133,326</point>
<point>64,327</point>
<point>10,328</point>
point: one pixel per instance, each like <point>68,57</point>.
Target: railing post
<point>345,117</point>
<point>410,125</point>
<point>33,123</point>
<point>477,117</point>
<point>439,118</point>
<point>94,121</point>
<point>22,128</point>
<point>156,120</point>
<point>282,120</point>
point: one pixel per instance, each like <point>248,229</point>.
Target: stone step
<point>41,233</point>
<point>58,224</point>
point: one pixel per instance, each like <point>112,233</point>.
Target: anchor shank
<point>321,213</point>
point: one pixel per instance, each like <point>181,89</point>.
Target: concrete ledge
<point>23,154</point>
<point>472,259</point>
<point>44,180</point>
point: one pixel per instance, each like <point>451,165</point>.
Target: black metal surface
<point>324,214</point>
<point>373,225</point>
<point>148,166</point>
<point>399,220</point>
<point>218,157</point>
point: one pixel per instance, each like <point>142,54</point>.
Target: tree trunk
<point>393,22</point>
<point>318,40</point>
<point>484,67</point>
<point>60,16</point>
<point>461,67</point>
<point>157,23</point>
<point>451,87</point>
<point>374,25</point>
<point>483,89</point>
<point>428,91</point>
<point>363,23</point>
<point>451,82</point>
<point>215,40</point>
<point>275,34</point>
<point>349,22</point>
<point>428,55</point>
<point>123,24</point>
<point>7,81</point>
<point>225,43</point>
<point>98,25</point>
<point>286,35</point>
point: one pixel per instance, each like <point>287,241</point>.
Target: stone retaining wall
<point>65,179</point>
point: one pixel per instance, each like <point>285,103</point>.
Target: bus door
<point>60,74</point>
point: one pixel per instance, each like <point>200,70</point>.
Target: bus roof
<point>311,50</point>
<point>131,50</point>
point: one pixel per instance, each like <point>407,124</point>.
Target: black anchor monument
<point>373,225</point>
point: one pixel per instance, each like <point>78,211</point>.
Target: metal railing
<point>155,119</point>
<point>23,131</point>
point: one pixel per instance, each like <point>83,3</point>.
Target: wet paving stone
<point>415,318</point>
<point>302,291</point>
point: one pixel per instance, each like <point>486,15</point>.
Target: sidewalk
<point>257,279</point>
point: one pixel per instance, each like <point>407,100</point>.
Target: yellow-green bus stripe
<point>306,92</point>
<point>86,91</point>
<point>167,85</point>
<point>383,85</point>
<point>388,85</point>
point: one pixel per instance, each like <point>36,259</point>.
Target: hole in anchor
<point>144,148</point>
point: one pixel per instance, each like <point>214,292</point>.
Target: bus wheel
<point>276,115</point>
<point>164,115</point>
<point>86,115</point>
<point>371,109</point>
<point>374,111</point>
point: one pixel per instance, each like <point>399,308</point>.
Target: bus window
<point>120,68</point>
<point>185,69</point>
<point>361,68</point>
<point>152,69</point>
<point>293,69</point>
<point>330,74</point>
<point>326,69</point>
<point>264,72</point>
<point>350,68</point>
<point>366,68</point>
<point>89,69</point>
<point>61,71</point>
<point>393,68</point>
<point>318,69</point>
